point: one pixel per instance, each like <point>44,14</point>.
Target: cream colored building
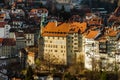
<point>60,42</point>
<point>29,39</point>
<point>31,58</point>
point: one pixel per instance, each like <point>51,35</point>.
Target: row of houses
<point>65,42</point>
<point>19,29</point>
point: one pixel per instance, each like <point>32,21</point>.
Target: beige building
<point>29,39</point>
<point>60,42</point>
<point>31,58</point>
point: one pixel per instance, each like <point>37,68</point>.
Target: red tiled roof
<point>1,40</point>
<point>2,24</point>
<point>9,42</point>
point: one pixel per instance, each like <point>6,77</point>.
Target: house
<point>38,15</point>
<point>15,12</point>
<point>8,48</point>
<point>91,49</point>
<point>111,40</point>
<point>31,58</point>
<point>29,36</point>
<point>17,24</point>
<point>60,42</point>
<point>4,30</point>
<point>38,12</point>
<point>20,40</point>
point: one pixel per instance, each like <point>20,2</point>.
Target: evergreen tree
<point>29,74</point>
<point>103,76</point>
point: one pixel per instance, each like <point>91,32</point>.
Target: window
<point>56,46</point>
<point>75,43</point>
<point>55,50</point>
<point>51,50</point>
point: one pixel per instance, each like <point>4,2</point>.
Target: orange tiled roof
<point>42,10</point>
<point>102,38</point>
<point>81,26</point>
<point>52,29</point>
<point>2,15</point>
<point>112,33</point>
<point>1,40</point>
<point>92,34</point>
<point>19,0</point>
<point>31,54</point>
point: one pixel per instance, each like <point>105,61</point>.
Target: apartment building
<point>29,36</point>
<point>20,40</point>
<point>91,49</point>
<point>60,42</point>
<point>8,47</point>
<point>4,30</point>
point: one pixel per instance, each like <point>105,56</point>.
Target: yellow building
<point>60,42</point>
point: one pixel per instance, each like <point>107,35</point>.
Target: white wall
<point>2,30</point>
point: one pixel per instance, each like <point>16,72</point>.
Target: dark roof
<point>9,42</point>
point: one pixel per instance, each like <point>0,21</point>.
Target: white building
<point>91,49</point>
<point>4,30</point>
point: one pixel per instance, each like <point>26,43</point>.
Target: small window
<point>55,50</point>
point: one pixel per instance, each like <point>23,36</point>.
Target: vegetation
<point>29,74</point>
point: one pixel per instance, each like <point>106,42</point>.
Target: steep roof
<point>92,34</point>
<point>81,26</point>
<point>62,29</point>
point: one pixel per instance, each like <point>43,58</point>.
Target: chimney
<point>55,22</point>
